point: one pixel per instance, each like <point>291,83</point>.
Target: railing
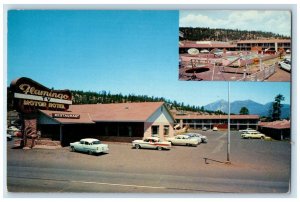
<point>261,75</point>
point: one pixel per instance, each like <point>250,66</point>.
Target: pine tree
<point>276,113</point>
<point>244,111</point>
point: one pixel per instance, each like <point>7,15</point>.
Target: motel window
<point>154,131</point>
<point>166,130</point>
<point>129,131</point>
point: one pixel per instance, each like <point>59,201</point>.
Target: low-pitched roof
<point>284,124</point>
<point>265,41</point>
<point>194,44</point>
<point>214,44</point>
<point>193,116</point>
<point>117,112</point>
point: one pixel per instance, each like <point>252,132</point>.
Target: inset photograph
<point>240,45</point>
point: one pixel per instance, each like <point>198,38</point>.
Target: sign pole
<point>228,135</point>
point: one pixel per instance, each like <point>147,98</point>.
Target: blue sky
<point>117,51</point>
<point>276,21</point>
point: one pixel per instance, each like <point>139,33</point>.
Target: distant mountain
<point>221,105</point>
<point>253,107</point>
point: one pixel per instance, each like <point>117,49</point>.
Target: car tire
<point>72,149</point>
<point>159,148</point>
<point>90,152</point>
<point>262,137</point>
<point>137,146</point>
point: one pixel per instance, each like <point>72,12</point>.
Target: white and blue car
<point>90,146</point>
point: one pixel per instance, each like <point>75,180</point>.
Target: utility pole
<point>228,134</point>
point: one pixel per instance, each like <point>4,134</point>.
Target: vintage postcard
<point>94,103</point>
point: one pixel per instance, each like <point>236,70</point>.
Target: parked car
<point>193,136</point>
<point>247,130</point>
<point>201,138</point>
<point>204,129</point>
<point>151,143</point>
<point>285,64</point>
<point>9,137</point>
<point>215,128</point>
<point>183,140</point>
<point>253,135</point>
<point>12,130</point>
<point>90,146</point>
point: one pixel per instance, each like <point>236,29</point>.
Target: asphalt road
<point>258,166</point>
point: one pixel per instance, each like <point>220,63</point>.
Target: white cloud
<point>193,20</point>
<point>271,21</point>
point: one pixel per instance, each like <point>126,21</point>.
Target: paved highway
<point>257,167</point>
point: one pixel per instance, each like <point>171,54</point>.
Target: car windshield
<point>96,142</point>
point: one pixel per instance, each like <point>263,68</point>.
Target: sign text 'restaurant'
<point>67,116</point>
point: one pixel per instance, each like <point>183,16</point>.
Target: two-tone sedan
<point>151,143</point>
<point>90,146</point>
<point>183,140</point>
<point>253,135</point>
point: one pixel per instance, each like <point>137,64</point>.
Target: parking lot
<point>257,166</point>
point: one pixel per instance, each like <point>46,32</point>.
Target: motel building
<point>113,122</point>
<point>265,44</point>
<point>242,45</point>
<point>48,115</point>
<point>237,122</point>
<point>278,130</point>
<point>184,46</point>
